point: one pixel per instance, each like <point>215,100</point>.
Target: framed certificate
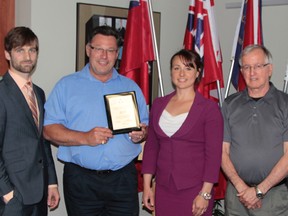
<point>122,112</point>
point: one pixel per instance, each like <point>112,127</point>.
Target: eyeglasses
<point>257,67</point>
<point>99,50</point>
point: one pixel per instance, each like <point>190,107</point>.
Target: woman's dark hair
<point>104,30</point>
<point>190,59</point>
<point>18,37</point>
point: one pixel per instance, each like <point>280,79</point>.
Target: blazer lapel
<point>159,112</point>
<point>40,103</point>
<point>18,98</point>
<point>192,117</point>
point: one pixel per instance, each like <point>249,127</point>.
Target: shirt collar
<point>20,81</point>
<point>268,97</point>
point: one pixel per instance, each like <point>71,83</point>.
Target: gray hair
<point>252,47</point>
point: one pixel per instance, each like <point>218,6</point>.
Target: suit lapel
<point>40,103</point>
<point>18,98</point>
<point>159,112</point>
<point>193,116</point>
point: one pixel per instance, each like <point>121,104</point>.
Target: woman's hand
<point>148,198</point>
<point>199,205</point>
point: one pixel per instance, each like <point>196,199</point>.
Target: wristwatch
<point>259,193</point>
<point>205,195</point>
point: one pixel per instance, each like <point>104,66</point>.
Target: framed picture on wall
<point>89,16</point>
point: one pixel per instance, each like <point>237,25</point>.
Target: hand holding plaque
<point>122,112</point>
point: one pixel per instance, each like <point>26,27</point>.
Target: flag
<point>138,50</point>
<point>138,47</point>
<point>249,31</point>
<point>7,21</point>
<point>201,36</point>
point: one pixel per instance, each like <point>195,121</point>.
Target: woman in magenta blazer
<point>184,144</point>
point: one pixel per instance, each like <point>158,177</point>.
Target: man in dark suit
<point>28,182</point>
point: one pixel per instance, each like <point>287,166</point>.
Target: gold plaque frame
<point>122,112</point>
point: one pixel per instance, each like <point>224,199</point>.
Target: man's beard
<point>22,67</point>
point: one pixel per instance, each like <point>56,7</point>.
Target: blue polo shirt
<point>77,102</point>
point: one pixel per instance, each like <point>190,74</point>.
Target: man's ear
<point>7,55</point>
<point>87,48</point>
<point>270,67</point>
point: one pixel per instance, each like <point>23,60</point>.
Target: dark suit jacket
<point>26,162</point>
<point>193,154</point>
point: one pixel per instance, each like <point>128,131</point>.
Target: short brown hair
<point>18,37</point>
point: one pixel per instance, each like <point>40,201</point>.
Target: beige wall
<point>54,22</point>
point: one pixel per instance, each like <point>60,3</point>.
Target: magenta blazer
<point>193,154</point>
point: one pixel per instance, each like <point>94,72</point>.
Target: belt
<point>96,172</point>
<point>101,172</point>
<point>284,181</point>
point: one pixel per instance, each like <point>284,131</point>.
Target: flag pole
<point>155,47</point>
<point>219,93</point>
<point>285,80</point>
<point>229,78</point>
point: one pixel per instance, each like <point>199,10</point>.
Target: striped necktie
<point>31,100</point>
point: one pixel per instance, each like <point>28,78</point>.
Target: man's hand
<point>139,136</point>
<point>53,197</point>
<point>8,197</point>
<point>98,135</point>
<point>249,199</point>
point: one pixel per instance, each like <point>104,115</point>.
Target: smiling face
<point>22,60</point>
<point>183,76</point>
<point>257,73</point>
<point>21,50</point>
<point>102,52</point>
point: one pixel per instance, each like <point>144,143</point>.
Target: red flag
<point>138,50</point>
<point>201,36</point>
<point>249,31</point>
<point>138,46</point>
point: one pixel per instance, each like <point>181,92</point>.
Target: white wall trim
<point>232,5</point>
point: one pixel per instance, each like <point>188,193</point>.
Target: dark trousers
<point>88,193</point>
<point>15,207</point>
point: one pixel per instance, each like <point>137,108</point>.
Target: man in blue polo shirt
<point>99,173</point>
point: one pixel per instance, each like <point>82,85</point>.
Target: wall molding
<point>232,5</point>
